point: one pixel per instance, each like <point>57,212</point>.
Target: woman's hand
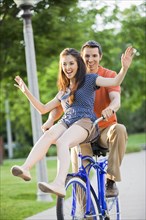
<point>48,124</point>
<point>127,57</point>
<point>20,84</point>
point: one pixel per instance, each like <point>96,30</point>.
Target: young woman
<point>76,95</point>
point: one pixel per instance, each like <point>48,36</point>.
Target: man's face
<point>91,58</point>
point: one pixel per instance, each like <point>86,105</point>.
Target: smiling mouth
<point>91,66</point>
<point>68,73</point>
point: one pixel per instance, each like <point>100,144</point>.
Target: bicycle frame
<point>92,200</point>
<point>84,175</point>
<point>100,168</point>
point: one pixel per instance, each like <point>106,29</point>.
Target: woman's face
<point>69,66</point>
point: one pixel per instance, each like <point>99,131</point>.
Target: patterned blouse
<point>83,105</point>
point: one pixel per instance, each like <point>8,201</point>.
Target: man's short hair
<point>92,44</point>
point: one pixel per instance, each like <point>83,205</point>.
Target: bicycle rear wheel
<point>73,206</point>
<point>113,209</point>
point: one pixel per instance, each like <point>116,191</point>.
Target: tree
<point>57,25</point>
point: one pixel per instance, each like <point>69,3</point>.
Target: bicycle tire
<point>113,208</point>
<point>64,205</point>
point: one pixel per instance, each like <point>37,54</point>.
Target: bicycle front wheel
<point>73,206</point>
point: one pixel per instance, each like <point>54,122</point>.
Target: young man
<point>107,102</point>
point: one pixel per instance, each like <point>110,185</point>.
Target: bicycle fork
<point>101,175</point>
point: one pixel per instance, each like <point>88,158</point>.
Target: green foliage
<point>133,32</point>
<point>21,152</point>
<point>58,24</point>
<point>134,121</point>
<point>52,151</point>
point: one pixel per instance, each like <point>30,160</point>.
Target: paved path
<point>133,187</point>
<point>132,190</point>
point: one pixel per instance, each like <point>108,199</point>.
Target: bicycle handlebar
<point>98,120</point>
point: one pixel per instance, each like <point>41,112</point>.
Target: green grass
<point>18,198</point>
<point>136,142</point>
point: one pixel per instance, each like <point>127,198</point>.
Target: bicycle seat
<point>98,150</point>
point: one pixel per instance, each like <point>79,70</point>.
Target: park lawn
<point>18,198</point>
<point>136,142</point>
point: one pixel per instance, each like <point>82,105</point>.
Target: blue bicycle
<point>83,200</point>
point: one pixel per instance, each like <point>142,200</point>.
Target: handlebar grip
<point>98,120</point>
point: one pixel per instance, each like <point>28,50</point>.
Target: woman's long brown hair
<point>63,81</point>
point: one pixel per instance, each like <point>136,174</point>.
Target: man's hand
<point>107,113</point>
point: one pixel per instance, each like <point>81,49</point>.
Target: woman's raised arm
<point>40,107</point>
<point>126,60</point>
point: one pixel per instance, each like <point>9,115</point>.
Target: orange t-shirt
<point>100,103</point>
